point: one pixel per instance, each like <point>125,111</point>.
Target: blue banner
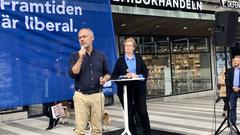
<point>37,38</point>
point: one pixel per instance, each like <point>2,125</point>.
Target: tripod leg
<point>235,129</point>
<point>219,128</point>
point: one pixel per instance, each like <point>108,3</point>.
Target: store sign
<point>37,39</point>
<point>175,4</point>
<point>231,4</point>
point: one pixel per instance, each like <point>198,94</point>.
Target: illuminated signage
<point>231,4</point>
<point>175,4</point>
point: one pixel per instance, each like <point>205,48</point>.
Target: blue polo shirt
<point>236,77</point>
<point>131,63</point>
<point>93,67</point>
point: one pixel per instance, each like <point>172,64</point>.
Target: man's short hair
<point>237,57</point>
<point>88,29</point>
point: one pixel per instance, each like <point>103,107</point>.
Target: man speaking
<point>89,69</point>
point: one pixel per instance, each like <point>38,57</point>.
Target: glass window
<point>191,72</point>
<point>162,45</point>
<point>121,46</point>
<point>187,70</point>
<point>148,47</point>
<point>10,110</point>
<point>179,45</point>
<point>159,78</point>
<point>35,110</point>
<point>198,45</point>
<point>219,48</point>
<point>222,58</point>
<point>222,49</point>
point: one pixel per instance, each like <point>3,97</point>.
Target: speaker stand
<point>232,126</point>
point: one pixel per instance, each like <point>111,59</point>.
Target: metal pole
<point>125,117</point>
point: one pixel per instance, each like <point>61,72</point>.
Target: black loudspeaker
<point>225,28</point>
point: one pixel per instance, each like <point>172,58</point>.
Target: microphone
<point>83,48</point>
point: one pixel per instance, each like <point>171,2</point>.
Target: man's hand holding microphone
<point>82,52</point>
<point>77,67</point>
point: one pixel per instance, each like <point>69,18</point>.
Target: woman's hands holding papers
<point>131,75</point>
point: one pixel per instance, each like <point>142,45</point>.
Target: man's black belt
<point>88,92</point>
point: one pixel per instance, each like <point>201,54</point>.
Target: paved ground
<point>186,116</point>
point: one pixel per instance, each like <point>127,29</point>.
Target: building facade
<point>175,39</point>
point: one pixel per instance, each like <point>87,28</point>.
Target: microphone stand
<point>230,124</point>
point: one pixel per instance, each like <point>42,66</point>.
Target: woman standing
<point>131,65</point>
<point>222,91</point>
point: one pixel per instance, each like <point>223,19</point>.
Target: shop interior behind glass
<point>176,65</point>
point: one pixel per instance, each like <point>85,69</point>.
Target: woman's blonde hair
<point>131,39</point>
